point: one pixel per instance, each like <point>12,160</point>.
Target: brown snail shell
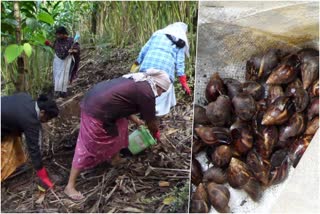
<point>274,92</point>
<point>259,67</point>
<point>201,194</point>
<point>278,112</point>
<point>245,106</point>
<point>221,156</point>
<point>286,72</point>
<point>239,176</point>
<point>196,172</point>
<point>313,109</point>
<point>280,164</point>
<point>219,197</point>
<point>261,105</point>
<point>315,89</point>
<point>234,87</point>
<point>300,95</point>
<point>197,146</point>
<point>219,111</point>
<point>216,175</point>
<point>237,173</point>
<point>254,89</point>
<point>214,88</point>
<point>200,116</point>
<point>259,167</point>
<point>242,137</point>
<point>298,148</point>
<point>214,135</point>
<point>301,99</point>
<point>312,126</point>
<point>266,140</point>
<point>309,70</point>
<point>253,189</point>
<point>307,52</point>
<point>199,206</point>
<point>294,127</point>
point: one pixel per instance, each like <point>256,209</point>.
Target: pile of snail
<point>254,131</point>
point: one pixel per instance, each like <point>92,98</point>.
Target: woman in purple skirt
<point>105,111</point>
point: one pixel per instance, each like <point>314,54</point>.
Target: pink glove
<point>183,81</point>
<point>47,43</point>
<point>43,175</point>
<point>156,135</point>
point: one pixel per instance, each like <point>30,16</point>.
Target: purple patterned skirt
<point>94,145</point>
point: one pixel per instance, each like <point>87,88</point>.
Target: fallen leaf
<point>171,131</point>
<point>148,171</point>
<point>132,210</point>
<point>41,198</point>
<point>169,200</point>
<point>164,184</point>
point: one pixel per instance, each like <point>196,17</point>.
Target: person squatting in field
<point>105,111</point>
<point>21,114</point>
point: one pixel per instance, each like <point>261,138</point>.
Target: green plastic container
<point>140,139</point>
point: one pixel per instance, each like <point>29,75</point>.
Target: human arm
<point>75,48</point>
<point>33,138</point>
<point>180,67</point>
<point>136,120</point>
<point>48,43</point>
<point>154,128</point>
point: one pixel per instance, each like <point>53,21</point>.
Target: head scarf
<point>154,77</point>
<point>178,30</point>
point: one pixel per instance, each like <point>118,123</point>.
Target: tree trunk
<point>20,83</point>
<point>94,18</point>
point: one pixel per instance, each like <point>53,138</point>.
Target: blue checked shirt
<point>160,53</point>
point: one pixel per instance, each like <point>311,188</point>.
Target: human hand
<point>184,84</point>
<point>44,178</point>
<point>140,122</point>
<point>156,135</point>
<point>73,51</point>
<point>47,43</point>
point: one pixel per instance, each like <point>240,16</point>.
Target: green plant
<point>176,199</point>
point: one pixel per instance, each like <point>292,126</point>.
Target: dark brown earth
<point>156,180</point>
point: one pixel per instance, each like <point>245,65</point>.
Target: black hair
<point>178,42</point>
<point>62,30</point>
<point>48,105</point>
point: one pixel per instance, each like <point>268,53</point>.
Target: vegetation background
<point>26,61</point>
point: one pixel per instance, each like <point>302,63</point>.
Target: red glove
<point>183,81</point>
<point>156,135</point>
<point>43,175</point>
<point>47,43</point>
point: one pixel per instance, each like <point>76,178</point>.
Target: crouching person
<point>21,114</point>
<point>105,111</point>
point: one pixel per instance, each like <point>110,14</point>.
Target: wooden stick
<point>168,169</point>
<point>59,200</point>
<point>110,194</point>
<point>54,161</point>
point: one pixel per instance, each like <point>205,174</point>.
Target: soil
<point>156,180</point>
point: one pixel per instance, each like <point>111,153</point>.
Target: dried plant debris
<point>131,187</point>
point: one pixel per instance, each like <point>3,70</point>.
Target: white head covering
<point>178,30</point>
<point>154,77</point>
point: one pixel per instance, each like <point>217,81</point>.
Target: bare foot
<point>117,160</point>
<point>73,193</point>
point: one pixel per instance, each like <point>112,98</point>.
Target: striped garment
<point>160,53</point>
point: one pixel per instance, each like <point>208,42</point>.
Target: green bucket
<point>139,140</point>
